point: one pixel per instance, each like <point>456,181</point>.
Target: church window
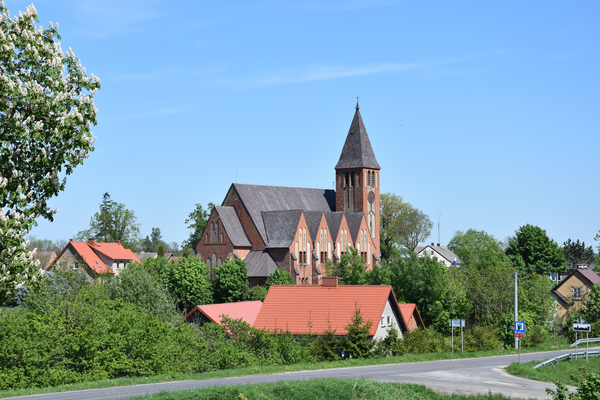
<point>376,179</point>
<point>346,179</point>
<point>207,235</point>
<point>214,259</point>
<point>372,179</point>
<point>209,263</point>
<point>369,253</point>
<point>352,179</point>
<point>217,231</point>
<point>368,178</point>
<point>220,261</point>
<point>222,237</point>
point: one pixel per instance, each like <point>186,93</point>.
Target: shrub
<point>391,345</point>
<point>356,343</point>
<point>478,338</point>
<point>258,293</point>
<point>230,283</point>
<point>279,277</point>
<point>534,336</point>
<point>422,341</point>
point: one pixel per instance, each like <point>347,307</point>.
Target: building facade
<point>298,229</point>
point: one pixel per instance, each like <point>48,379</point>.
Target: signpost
<point>457,323</point>
<point>581,326</point>
<point>519,333</point>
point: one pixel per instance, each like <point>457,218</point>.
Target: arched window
<point>214,259</point>
<point>213,232</point>
<point>352,179</point>
<point>220,261</point>
<point>372,179</point>
<point>368,178</point>
<point>222,240</point>
<point>217,231</point>
<point>376,179</point>
<point>346,180</point>
<point>209,264</point>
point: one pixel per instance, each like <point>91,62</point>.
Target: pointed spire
<point>357,151</point>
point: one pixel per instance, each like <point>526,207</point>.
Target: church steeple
<point>357,176</point>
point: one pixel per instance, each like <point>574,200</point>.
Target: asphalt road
<point>467,376</point>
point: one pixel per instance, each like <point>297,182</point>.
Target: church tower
<point>357,177</point>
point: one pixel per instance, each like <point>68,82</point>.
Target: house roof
<point>354,220</point>
<point>258,199</point>
<point>245,310</point>
<point>313,221</point>
<point>233,226</point>
<point>260,264</point>
<point>292,307</point>
<point>586,274</point>
<point>114,251</point>
<point>560,296</point>
<point>408,310</point>
<point>46,258</point>
<point>143,256</point>
<point>357,151</point>
<point>334,221</point>
<point>89,256</point>
<point>281,227</point>
<point>441,250</point>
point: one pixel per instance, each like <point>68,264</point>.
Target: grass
<point>318,389</point>
<point>565,372</point>
<point>274,369</point>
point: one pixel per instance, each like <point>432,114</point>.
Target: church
<point>298,229</point>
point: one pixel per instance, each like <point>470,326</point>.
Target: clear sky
<point>486,112</point>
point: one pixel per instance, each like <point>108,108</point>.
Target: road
<point>466,376</point>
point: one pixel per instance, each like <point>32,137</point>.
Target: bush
<point>422,341</point>
<point>258,293</point>
<point>391,345</point>
<point>279,277</point>
<point>230,283</point>
<point>534,336</point>
<point>478,339</point>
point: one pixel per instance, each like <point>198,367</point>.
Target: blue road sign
<point>519,328</point>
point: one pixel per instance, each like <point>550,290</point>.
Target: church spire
<point>357,151</point>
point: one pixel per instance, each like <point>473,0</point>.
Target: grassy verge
<point>274,369</point>
<point>567,372</point>
<point>318,389</point>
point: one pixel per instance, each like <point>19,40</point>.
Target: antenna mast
<point>439,241</point>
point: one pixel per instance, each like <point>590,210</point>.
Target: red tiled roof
<point>114,251</point>
<point>246,310</point>
<point>90,258</point>
<point>409,309</point>
<point>291,307</point>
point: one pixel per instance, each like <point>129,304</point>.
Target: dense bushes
<point>425,341</point>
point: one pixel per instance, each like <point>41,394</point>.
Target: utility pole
<point>516,310</point>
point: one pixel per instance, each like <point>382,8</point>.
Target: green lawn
<point>273,369</point>
<point>567,372</point>
<point>318,389</point>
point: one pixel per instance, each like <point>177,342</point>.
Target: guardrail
<point>568,355</point>
<point>590,340</point>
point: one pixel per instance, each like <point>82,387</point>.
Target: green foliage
<point>391,345</point>
<point>533,252</point>
<point>230,283</point>
<point>478,338</point>
<point>422,341</point>
<point>160,269</point>
<point>113,222</point>
<point>326,347</point>
<point>279,277</point>
<point>535,298</point>
<point>197,222</point>
<point>356,343</point>
<point>136,286</point>
<point>590,309</point>
<point>161,251</point>
<point>189,284</point>
<point>351,269</point>
<point>258,293</point>
<point>577,254</point>
<point>401,224</point>
<point>589,389</point>
<point>477,249</point>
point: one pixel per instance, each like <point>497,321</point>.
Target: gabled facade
<point>571,292</point>
<point>411,316</point>
<point>440,253</point>
<point>298,229</point>
<point>316,308</point>
<point>94,258</point>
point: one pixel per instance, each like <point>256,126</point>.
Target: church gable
<point>281,227</point>
<point>232,226</point>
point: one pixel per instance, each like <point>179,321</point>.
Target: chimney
<point>438,245</point>
<point>329,281</point>
<point>91,241</point>
<point>70,240</point>
<point>432,244</point>
<point>118,241</point>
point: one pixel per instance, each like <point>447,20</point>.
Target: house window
<point>432,252</point>
<point>389,320</point>
<point>577,293</point>
<point>382,322</point>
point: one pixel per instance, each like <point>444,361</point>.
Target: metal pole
<point>462,350</point>
<point>519,345</point>
<point>587,346</point>
<point>576,345</point>
<point>517,341</point>
<point>452,329</point>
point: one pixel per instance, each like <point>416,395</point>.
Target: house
<point>298,229</point>
<point>440,253</point>
<point>94,258</point>
<point>571,292</point>
<point>412,317</point>
<point>303,309</point>
<point>245,310</point>
<point>45,257</point>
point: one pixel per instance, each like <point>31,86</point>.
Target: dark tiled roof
<point>143,256</point>
<point>590,275</point>
<point>281,227</point>
<point>354,220</point>
<point>258,199</point>
<point>313,219</point>
<point>260,264</point>
<point>357,151</point>
<point>334,221</point>
<point>233,226</point>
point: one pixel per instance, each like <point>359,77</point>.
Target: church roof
<point>258,199</point>
<point>313,220</point>
<point>281,227</point>
<point>357,151</point>
<point>260,264</point>
<point>334,221</point>
<point>233,226</point>
<point>354,220</point>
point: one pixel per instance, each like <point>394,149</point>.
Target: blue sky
<point>485,112</point>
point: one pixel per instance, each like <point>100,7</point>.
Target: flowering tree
<point>46,110</point>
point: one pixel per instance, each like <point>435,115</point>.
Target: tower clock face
<point>371,197</point>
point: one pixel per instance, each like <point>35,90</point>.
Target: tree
<point>279,277</point>
<point>230,283</point>
<point>401,224</point>
<point>351,269</point>
<point>156,236</point>
<point>189,283</point>
<point>577,254</point>
<point>113,222</point>
<point>46,110</point>
<point>46,244</point>
<point>356,343</point>
<point>477,249</point>
<point>148,246</point>
<point>197,222</point>
<point>532,251</point>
